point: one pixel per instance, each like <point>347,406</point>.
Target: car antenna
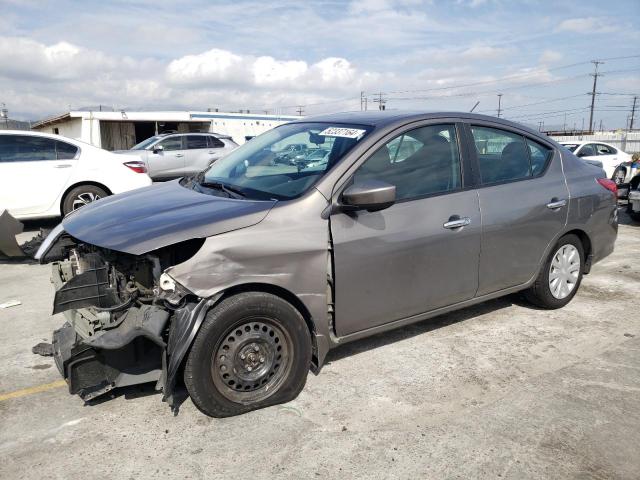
<point>474,107</point>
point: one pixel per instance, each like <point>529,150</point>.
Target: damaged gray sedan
<point>239,280</point>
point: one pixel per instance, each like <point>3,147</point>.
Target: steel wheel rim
<point>251,360</point>
<point>564,271</point>
<point>83,199</point>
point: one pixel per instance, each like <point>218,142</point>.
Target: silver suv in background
<point>173,155</point>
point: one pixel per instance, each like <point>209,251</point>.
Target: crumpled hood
<point>163,214</point>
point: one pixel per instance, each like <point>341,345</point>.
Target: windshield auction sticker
<point>342,132</point>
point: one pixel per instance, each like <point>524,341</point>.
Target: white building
<point>122,130</point>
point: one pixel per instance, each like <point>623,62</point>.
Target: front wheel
<point>252,351</point>
<point>560,276</point>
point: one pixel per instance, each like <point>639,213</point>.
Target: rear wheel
<point>80,196</point>
<point>253,350</point>
<point>560,276</point>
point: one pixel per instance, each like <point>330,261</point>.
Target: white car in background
<point>594,151</point>
<point>44,175</point>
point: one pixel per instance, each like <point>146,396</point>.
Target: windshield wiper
<point>229,190</point>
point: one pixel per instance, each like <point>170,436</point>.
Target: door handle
<point>456,222</point>
<point>555,204</point>
<point>211,152</point>
<point>179,155</point>
<point>62,165</point>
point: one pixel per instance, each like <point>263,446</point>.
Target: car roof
<point>381,118</point>
<point>53,136</point>
<point>584,142</point>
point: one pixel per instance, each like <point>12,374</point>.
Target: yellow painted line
<point>31,390</point>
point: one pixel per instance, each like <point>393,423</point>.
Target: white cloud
<point>586,25</point>
<point>48,78</point>
<point>550,56</point>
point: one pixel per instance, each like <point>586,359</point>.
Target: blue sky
<point>276,55</point>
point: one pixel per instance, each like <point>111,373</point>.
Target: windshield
<point>570,146</point>
<point>145,143</point>
<point>278,163</point>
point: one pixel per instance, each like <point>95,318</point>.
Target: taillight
<point>136,166</point>
<point>608,184</point>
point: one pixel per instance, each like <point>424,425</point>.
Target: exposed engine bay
<point>118,308</point>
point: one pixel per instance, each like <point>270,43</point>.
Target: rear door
<point>609,158</point>
<point>34,171</point>
<point>421,253</point>
<point>200,152</point>
<point>170,161</point>
<point>523,202</point>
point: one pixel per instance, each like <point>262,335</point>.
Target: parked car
<point>175,155</point>
<point>238,281</point>
<point>610,157</point>
<point>633,204</point>
<point>314,159</point>
<point>45,175</point>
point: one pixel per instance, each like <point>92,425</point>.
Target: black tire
<point>540,294</point>
<point>80,196</point>
<point>243,322</point>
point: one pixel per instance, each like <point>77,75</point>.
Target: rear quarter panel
<point>592,208</point>
<point>106,168</point>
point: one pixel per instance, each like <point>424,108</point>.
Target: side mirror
<point>370,195</point>
<point>582,154</point>
<point>158,148</point>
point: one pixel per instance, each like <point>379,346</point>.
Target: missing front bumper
<point>127,355</point>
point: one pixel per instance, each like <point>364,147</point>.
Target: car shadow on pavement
<point>425,326</point>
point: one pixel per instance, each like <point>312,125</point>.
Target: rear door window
<point>213,142</point>
<point>66,151</point>
<point>605,149</point>
<point>539,155</point>
<point>26,148</point>
<point>195,142</point>
<point>502,155</point>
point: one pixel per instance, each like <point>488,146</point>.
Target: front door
<point>421,253</point>
<point>33,172</point>
<point>524,203</point>
<point>169,161</point>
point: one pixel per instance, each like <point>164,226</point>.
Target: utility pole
<point>380,101</point>
<point>362,101</point>
<point>300,110</point>
<point>633,112</point>
<point>595,76</point>
<point>564,125</point>
<point>600,129</point>
<point>499,104</point>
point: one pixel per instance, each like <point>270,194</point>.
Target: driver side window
<point>419,162</point>
<point>171,143</point>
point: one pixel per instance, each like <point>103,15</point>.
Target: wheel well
<point>285,295</point>
<point>586,246</point>
<point>95,184</point>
